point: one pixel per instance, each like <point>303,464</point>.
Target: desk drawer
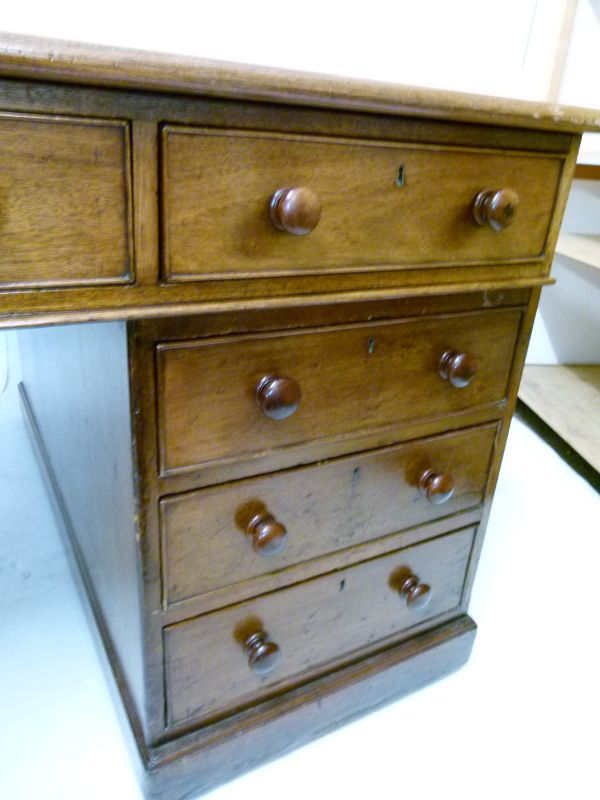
<point>64,201</point>
<point>351,379</point>
<point>217,186</point>
<point>217,537</point>
<point>315,626</point>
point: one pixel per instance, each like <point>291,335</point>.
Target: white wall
<point>580,85</point>
<point>471,45</point>
<point>567,328</point>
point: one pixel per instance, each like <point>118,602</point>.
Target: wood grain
<point>64,201</point>
<point>325,508</point>
<point>587,172</point>
<point>567,398</point>
<point>157,107</point>
<point>145,207</point>
<point>75,378</point>
<point>20,309</point>
<point>513,385</point>
<point>56,60</point>
<point>280,316</point>
<point>207,411</point>
<point>217,753</point>
<point>323,622</point>
<point>303,571</point>
<point>216,188</point>
<point>584,248</point>
<point>358,312</point>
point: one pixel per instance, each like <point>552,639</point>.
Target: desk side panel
<point>75,379</point>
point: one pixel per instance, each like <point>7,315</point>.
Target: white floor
<point>522,719</point>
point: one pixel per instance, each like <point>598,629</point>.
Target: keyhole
<point>400,176</point>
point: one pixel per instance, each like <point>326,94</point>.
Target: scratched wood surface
<point>97,65</point>
<point>352,380</point>
<point>324,620</point>
<point>64,201</point>
<point>324,508</point>
<point>216,187</point>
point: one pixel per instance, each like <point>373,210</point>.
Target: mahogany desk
<point>274,451</point>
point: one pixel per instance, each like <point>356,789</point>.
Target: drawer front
<point>220,536</point>
<point>64,201</point>
<point>316,625</point>
<point>217,185</point>
<point>351,380</point>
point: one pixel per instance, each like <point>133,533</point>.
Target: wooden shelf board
<point>567,399</point>
<point>587,172</point>
<point>584,248</point>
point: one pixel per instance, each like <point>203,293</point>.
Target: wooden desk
<point>274,454</point>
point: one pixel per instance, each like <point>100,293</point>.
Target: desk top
<point>37,58</point>
<point>104,154</point>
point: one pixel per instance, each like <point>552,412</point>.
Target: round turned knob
<point>296,211</point>
<point>268,535</point>
<point>495,207</point>
<point>417,594</point>
<point>263,656</point>
<point>458,368</point>
<point>438,486</point>
<point>278,397</point>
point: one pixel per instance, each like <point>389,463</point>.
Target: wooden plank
<point>157,107</point>
<point>567,398</point>
<point>29,309</point>
<point>580,247</point>
<point>145,208</point>
<point>587,172</point>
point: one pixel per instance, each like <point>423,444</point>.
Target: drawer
<point>382,204</point>
<point>64,201</point>
<point>219,663</point>
<point>223,535</point>
<point>352,379</point>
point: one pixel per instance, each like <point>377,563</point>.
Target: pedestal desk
<point>273,327</point>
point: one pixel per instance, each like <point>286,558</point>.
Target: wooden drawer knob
<point>458,368</point>
<point>268,535</point>
<point>495,208</point>
<point>438,486</point>
<point>277,396</point>
<point>263,656</point>
<point>417,594</point>
<point>296,210</point>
